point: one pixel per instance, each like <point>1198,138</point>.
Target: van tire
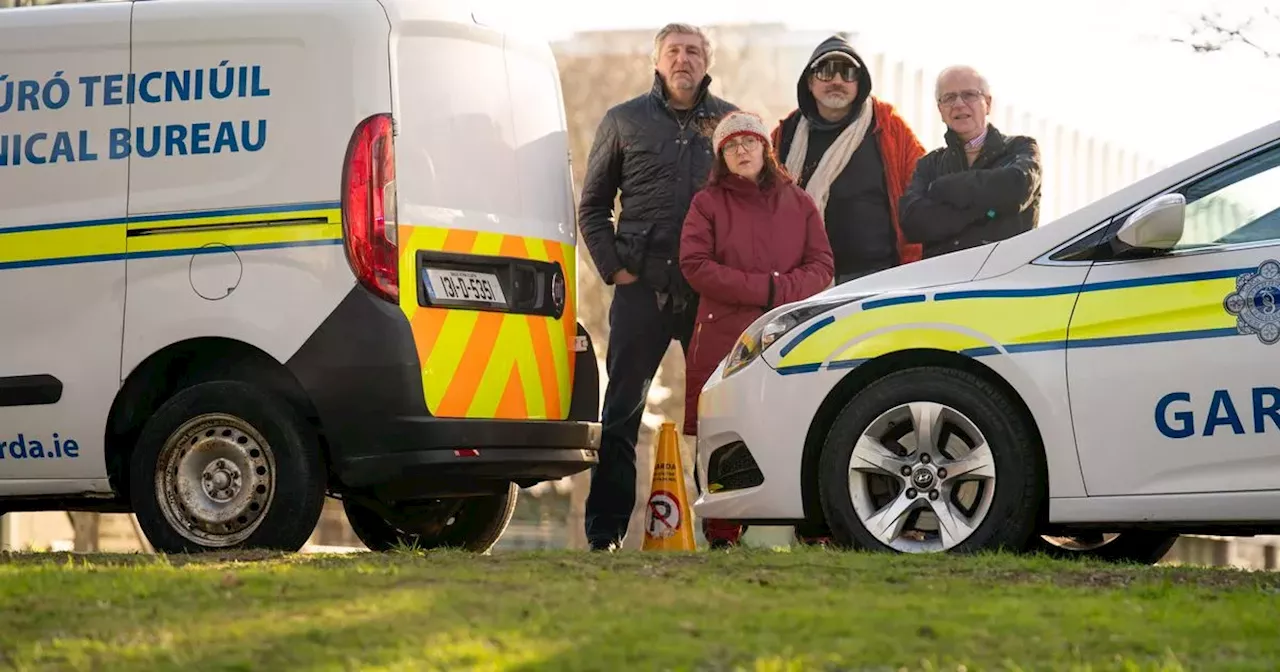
<point>271,474</point>
<point>478,523</point>
<point>1015,458</point>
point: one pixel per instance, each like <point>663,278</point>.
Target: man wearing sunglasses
<point>854,154</point>
<point>982,186</point>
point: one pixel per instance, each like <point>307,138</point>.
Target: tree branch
<point>1211,33</point>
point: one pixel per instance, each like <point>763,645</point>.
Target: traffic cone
<point>668,521</point>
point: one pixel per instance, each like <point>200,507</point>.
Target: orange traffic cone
<point>668,521</point>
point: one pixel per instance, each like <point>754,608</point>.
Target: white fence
<point>1079,167</point>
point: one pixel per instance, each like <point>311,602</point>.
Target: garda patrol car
<point>1094,386</point>
<point>254,253</point>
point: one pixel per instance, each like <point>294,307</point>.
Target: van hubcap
<point>922,477</point>
<point>215,480</point>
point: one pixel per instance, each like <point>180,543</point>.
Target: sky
<point>1106,66</point>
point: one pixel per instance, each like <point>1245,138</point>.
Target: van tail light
<point>369,207</point>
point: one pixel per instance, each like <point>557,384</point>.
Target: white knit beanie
<point>740,123</point>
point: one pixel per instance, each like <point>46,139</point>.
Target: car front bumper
<point>760,413</point>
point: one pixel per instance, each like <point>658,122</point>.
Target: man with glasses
<point>983,186</point>
<point>854,155</point>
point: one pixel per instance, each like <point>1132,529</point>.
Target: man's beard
<point>835,99</point>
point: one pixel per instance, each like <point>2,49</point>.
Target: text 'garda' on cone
<point>668,524</point>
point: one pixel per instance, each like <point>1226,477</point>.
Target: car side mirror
<point>1157,225</point>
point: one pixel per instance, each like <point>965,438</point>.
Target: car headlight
<point>772,326</point>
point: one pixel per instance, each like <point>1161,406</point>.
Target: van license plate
<point>464,287</point>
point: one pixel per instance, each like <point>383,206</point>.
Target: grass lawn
<point>746,609</point>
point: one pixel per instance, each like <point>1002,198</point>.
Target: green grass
<point>747,609</point>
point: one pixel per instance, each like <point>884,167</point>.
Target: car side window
<point>1238,205</point>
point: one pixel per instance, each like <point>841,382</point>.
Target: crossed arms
<point>939,208</point>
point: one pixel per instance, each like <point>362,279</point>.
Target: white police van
<point>1096,386</point>
<point>256,253</point>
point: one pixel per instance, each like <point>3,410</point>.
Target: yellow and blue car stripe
<point>986,322</point>
<point>170,234</point>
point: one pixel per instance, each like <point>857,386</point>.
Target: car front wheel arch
<point>932,459</point>
<point>867,373</point>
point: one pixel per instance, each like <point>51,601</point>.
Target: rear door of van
<point>63,200</point>
<point>486,223</point>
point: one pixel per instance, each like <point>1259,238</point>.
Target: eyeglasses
<point>827,70</point>
<point>747,142</point>
<point>969,96</point>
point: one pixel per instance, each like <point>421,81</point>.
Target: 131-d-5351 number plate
<point>453,286</point>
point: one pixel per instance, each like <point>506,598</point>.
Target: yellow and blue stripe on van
<point>985,322</point>
<point>474,364</point>
<point>170,234</point>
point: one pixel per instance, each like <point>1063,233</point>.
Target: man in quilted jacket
<point>655,150</point>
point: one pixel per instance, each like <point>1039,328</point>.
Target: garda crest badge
<point>1256,302</point>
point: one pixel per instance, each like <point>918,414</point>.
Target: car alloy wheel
<point>922,477</point>
<point>1085,541</point>
<point>1131,546</point>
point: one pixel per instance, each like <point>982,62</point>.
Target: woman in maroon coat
<point>752,240</point>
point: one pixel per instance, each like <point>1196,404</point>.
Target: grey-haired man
<point>982,186</point>
<point>656,150</point>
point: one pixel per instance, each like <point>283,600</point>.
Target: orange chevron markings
<point>478,364</point>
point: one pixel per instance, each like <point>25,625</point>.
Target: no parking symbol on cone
<point>668,523</point>
<point>664,515</point>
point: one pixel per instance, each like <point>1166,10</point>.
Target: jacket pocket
<point>632,244</point>
<point>709,313</point>
<point>693,343</point>
<point>717,330</point>
<point>649,148</point>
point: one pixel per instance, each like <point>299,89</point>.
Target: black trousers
<point>639,334</point>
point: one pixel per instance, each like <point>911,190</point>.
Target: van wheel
<point>468,523</point>
<point>1141,547</point>
<point>931,460</point>
<point>222,465</point>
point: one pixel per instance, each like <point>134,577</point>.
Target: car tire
<point>223,465</point>
<point>1134,547</point>
<point>1013,464</point>
<point>468,523</point>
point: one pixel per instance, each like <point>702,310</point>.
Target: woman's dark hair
<point>769,174</point>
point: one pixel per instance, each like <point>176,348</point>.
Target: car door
<point>62,236</point>
<point>1171,359</point>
